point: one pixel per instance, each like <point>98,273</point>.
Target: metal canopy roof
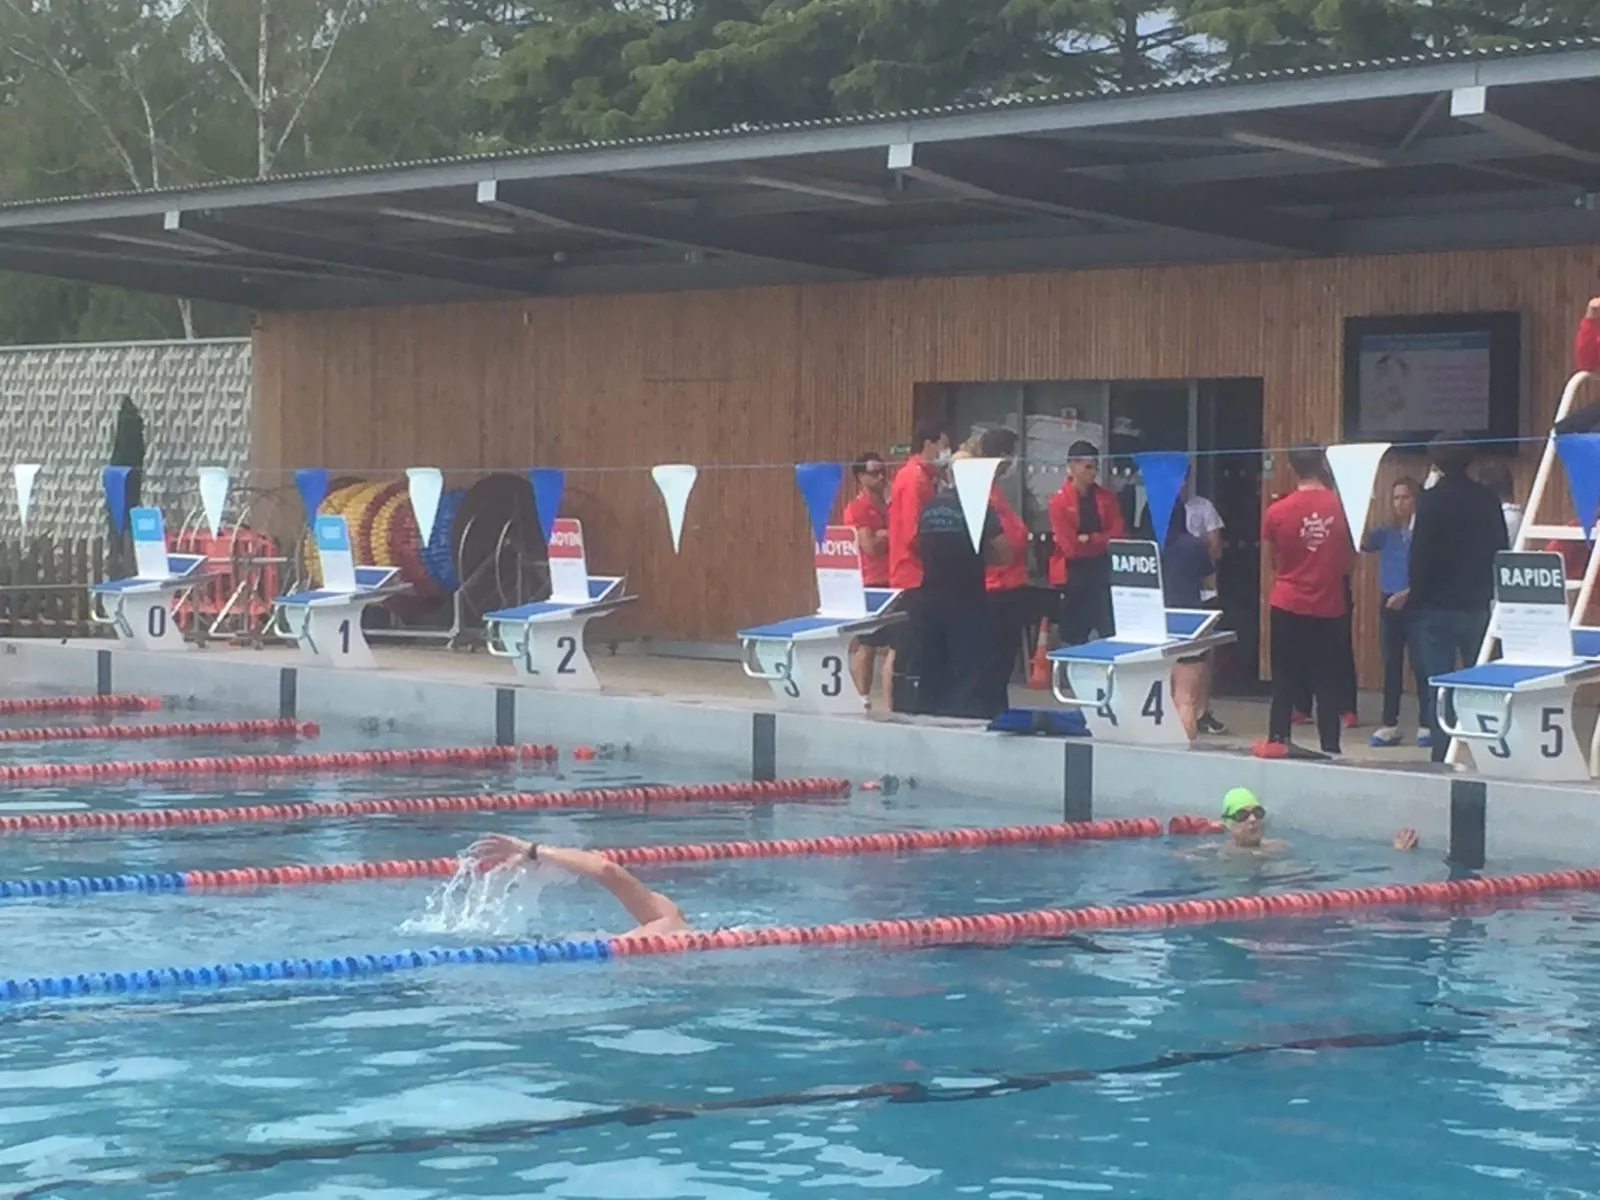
<point>1452,151</point>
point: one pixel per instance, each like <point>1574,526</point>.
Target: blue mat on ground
<point>1042,722</point>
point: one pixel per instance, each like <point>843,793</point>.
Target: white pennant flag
<point>676,481</point>
<point>426,486</point>
<point>974,477</point>
<point>1355,468</point>
<point>214,495</point>
<point>25,474</point>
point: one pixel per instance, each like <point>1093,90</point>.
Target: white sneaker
<point>1389,735</point>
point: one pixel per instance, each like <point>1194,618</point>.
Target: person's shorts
<point>879,639</point>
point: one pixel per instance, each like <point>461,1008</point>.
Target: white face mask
<point>945,455</point>
<point>1434,475</point>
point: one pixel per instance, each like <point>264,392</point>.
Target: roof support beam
<point>276,242</point>
<point>1074,195</point>
<point>238,286</point>
<point>1471,104</point>
<point>685,233</point>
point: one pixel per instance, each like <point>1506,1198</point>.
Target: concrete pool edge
<point>1050,779</point>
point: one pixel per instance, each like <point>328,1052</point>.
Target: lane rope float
<point>900,841</point>
<point>154,818</point>
<point>992,928</point>
<point>107,703</point>
<point>274,764</point>
<point>268,727</point>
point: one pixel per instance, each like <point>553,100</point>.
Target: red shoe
<point>1267,748</point>
<point>1299,718</point>
<point>1350,720</point>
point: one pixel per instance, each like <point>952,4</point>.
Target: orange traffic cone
<point>1039,667</point>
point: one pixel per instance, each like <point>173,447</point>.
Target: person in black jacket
<point>1459,528</point>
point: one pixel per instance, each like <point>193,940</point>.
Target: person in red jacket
<point>914,485</point>
<point>868,514</point>
<point>1084,518</point>
<point>1585,357</point>
<point>1006,584</point>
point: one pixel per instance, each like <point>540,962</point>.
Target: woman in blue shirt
<point>1392,544</point>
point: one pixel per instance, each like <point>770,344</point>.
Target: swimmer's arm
<point>649,908</point>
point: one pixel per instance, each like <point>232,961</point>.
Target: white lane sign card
<point>1530,594</point>
<point>1138,608</point>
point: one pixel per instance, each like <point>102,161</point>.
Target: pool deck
<point>707,711</point>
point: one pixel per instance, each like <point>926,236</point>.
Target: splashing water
<point>498,903</point>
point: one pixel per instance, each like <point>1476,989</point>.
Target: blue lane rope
<point>85,885</point>
<point>349,966</point>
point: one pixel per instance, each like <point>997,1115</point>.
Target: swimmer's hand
<point>1406,839</point>
<point>498,850</point>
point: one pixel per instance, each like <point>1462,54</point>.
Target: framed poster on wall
<point>1409,378</point>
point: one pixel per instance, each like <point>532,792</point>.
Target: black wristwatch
<point>533,852</point>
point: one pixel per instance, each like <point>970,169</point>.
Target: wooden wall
<point>744,382</point>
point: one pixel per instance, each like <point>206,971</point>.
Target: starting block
<point>806,660</point>
<point>1516,713</point>
<point>139,608</point>
<point>544,640</point>
<point>1122,685</point>
<point>325,622</point>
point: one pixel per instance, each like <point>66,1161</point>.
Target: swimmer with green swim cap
<point>1245,818</point>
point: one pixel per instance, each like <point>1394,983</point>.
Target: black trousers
<point>955,657</point>
<point>1345,696</point>
<point>1084,612</point>
<point>1010,611</point>
<point>1306,659</point>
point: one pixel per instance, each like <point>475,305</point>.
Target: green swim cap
<point>1238,798</point>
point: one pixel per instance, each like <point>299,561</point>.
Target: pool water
<point>1409,1054</point>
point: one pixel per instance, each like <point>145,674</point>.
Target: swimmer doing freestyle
<point>655,913</point>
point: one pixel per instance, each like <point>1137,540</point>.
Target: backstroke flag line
<point>1163,473</point>
<point>548,483</point>
<point>819,488</point>
<point>312,484</point>
<point>425,485</point>
<point>213,495</point>
<point>1355,468</point>
<point>114,480</point>
<point>675,481</point>
<point>974,477</point>
<point>1580,458</point>
<point>25,474</point>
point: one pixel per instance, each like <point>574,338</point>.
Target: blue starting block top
<point>1586,642</point>
<point>796,626</point>
<point>1108,650</point>
<point>181,566</point>
<point>1188,622</point>
<point>1508,676</point>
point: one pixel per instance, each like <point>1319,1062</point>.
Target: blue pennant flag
<point>548,484</point>
<point>115,482</point>
<point>819,486</point>
<point>312,483</point>
<point>1580,455</point>
<point>1163,472</point>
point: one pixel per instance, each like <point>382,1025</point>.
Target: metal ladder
<point>1529,531</point>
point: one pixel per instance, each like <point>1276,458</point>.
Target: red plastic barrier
<point>174,729</point>
<point>1054,922</point>
<point>270,764</point>
<point>1182,825</point>
<point>41,704</point>
<point>155,818</point>
<point>635,856</point>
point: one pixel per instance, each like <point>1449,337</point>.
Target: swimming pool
<point>1369,1054</point>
